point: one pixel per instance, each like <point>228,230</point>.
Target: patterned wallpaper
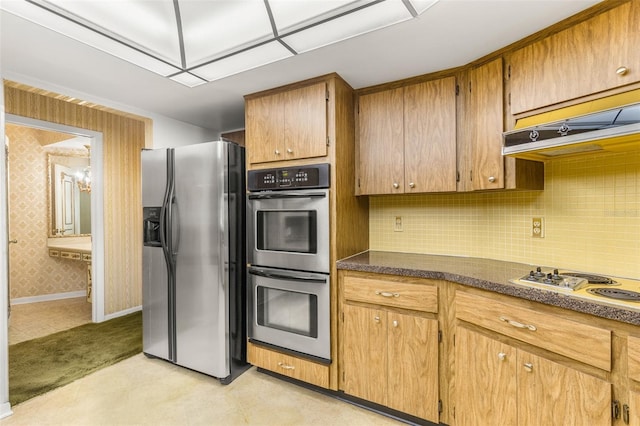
<point>590,206</point>
<point>32,271</point>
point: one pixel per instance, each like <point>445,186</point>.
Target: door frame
<point>97,203</point>
<point>5,406</point>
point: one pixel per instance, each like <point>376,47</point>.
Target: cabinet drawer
<point>54,253</point>
<point>418,297</point>
<point>86,257</point>
<point>70,255</point>
<point>288,365</point>
<point>633,348</point>
<point>552,332</point>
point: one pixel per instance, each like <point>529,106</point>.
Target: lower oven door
<point>290,310</point>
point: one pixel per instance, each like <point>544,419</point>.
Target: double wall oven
<point>288,255</point>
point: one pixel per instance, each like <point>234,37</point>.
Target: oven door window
<point>288,311</point>
<point>287,230</point>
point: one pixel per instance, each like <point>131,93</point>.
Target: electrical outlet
<point>537,227</point>
<point>397,225</point>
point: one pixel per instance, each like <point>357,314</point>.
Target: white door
<point>66,200</point>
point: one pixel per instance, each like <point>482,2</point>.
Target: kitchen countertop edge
<point>485,274</point>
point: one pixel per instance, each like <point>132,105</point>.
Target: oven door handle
<point>287,195</point>
<point>275,275</point>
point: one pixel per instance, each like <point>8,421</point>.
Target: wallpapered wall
<point>32,271</point>
<point>590,206</point>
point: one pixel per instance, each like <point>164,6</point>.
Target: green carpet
<point>40,365</point>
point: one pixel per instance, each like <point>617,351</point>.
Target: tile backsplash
<point>590,207</point>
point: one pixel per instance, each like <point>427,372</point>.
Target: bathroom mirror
<point>69,202</point>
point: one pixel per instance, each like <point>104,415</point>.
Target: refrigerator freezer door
<point>201,249</point>
<point>155,302</point>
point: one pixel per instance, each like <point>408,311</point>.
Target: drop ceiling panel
<point>212,29</point>
<point>148,25</point>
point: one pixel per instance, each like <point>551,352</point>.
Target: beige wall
<point>124,135</point>
<point>590,205</point>
<point>32,271</point>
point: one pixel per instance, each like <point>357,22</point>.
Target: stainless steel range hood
<point>593,127</point>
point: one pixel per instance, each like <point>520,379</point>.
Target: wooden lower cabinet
<point>289,365</point>
<point>633,410</point>
<point>499,384</point>
<point>391,359</point>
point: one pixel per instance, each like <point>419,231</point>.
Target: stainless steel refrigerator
<point>194,285</point>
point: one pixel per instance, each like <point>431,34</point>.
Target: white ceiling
<point>449,34</point>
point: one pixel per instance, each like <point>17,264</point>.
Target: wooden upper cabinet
<point>287,125</point>
<point>593,56</point>
<point>381,143</point>
<point>486,120</point>
<point>407,139</point>
<point>305,122</point>
<point>430,136</point>
<point>264,128</point>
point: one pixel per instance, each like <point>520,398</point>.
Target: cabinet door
<point>365,353</point>
<point>305,122</point>
<point>380,143</point>
<point>634,408</point>
<point>578,61</point>
<point>487,125</point>
<point>264,128</point>
<point>413,365</point>
<point>430,136</point>
<point>550,393</point>
<point>485,381</point>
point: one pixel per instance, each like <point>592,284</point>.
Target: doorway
<point>92,267</point>
<point>49,199</point>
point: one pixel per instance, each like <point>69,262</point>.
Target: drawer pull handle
<point>528,367</point>
<point>387,294</point>
<point>286,366</point>
<point>518,324</point>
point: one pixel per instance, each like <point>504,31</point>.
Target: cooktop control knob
<point>555,275</point>
<point>539,272</point>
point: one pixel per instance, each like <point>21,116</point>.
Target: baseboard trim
<point>48,297</point>
<point>123,313</point>
<point>5,410</point>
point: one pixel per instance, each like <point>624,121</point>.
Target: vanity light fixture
<point>195,42</point>
<point>83,179</point>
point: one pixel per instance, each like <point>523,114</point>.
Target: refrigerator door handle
<point>175,228</point>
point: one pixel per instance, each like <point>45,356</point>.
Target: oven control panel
<point>299,177</point>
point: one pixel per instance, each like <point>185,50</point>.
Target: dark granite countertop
<point>487,274</point>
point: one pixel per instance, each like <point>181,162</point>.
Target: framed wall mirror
<point>69,195</point>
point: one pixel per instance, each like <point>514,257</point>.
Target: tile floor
<point>31,320</point>
<point>142,391</point>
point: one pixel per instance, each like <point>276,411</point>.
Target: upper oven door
<point>289,229</point>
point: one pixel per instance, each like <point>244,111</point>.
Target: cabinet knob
<point>412,185</point>
<point>502,356</point>
<point>395,323</point>
<point>276,152</point>
<point>622,71</point>
<point>396,185</point>
<point>528,367</point>
<point>376,319</point>
<point>289,151</point>
<point>492,179</point>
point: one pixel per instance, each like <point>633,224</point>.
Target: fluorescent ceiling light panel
<point>148,25</point>
<point>61,25</point>
<point>188,79</point>
<point>194,40</point>
<point>290,15</point>
<point>249,59</point>
<point>363,21</point>
<point>213,29</point>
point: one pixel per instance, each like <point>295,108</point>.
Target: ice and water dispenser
<point>151,224</point>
